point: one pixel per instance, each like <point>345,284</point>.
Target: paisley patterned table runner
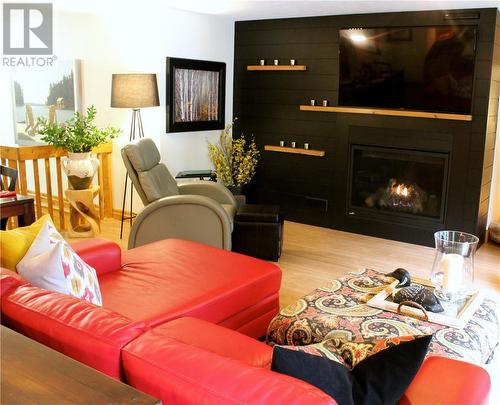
<point>338,310</point>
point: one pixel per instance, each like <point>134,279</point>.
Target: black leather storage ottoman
<point>258,231</point>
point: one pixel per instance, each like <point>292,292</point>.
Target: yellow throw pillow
<point>15,243</point>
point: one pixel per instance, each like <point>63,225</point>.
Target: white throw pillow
<point>52,264</point>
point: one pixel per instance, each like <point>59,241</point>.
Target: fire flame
<point>408,197</point>
<point>402,190</point>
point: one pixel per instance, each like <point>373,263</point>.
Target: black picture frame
<point>191,125</point>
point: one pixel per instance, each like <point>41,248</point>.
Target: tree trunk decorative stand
<point>83,217</point>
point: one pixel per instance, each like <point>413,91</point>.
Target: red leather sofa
<point>179,322</point>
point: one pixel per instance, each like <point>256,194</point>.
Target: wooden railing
<point>17,157</point>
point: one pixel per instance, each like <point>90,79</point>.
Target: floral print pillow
<point>52,264</point>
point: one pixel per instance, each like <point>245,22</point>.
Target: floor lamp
<point>135,91</point>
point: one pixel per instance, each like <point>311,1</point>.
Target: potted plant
<point>78,136</point>
<point>235,160</point>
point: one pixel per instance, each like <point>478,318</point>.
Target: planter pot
<point>80,169</point>
<point>236,190</point>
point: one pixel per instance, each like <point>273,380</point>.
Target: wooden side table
<point>19,206</point>
<point>32,373</point>
<point>84,220</point>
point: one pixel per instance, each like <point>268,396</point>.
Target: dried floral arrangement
<point>235,160</point>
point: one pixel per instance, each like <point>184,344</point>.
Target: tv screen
<point>414,68</point>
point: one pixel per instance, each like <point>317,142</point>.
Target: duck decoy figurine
<point>419,294</point>
<point>402,275</point>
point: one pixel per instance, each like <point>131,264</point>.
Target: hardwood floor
<point>312,256</point>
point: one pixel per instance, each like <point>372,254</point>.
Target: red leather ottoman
<point>172,278</point>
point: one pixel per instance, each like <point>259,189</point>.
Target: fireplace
<point>398,185</point>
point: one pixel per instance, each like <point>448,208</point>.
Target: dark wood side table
<point>20,206</point>
<point>197,174</point>
<point>32,373</point>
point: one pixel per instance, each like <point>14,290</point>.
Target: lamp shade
<point>134,90</point>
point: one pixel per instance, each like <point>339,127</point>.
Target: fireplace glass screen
<point>400,181</point>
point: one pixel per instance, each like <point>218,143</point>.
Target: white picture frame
<point>33,97</point>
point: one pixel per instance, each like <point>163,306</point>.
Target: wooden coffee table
<point>32,373</point>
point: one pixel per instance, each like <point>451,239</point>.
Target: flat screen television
<point>412,68</point>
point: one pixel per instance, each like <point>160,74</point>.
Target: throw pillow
<point>15,243</point>
<point>380,379</point>
<point>52,264</point>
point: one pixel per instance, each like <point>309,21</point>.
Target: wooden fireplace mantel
<point>394,113</point>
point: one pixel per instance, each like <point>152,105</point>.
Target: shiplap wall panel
<point>314,190</point>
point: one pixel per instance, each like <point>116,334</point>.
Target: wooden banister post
<point>48,185</point>
<point>60,195</point>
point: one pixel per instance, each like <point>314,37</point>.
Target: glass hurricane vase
<point>453,268</point>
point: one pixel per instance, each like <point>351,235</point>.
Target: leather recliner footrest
<point>258,231</point>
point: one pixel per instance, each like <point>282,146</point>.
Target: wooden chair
<point>8,178</point>
<point>31,124</point>
<point>5,174</point>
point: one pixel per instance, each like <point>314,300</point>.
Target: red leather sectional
<point>179,322</point>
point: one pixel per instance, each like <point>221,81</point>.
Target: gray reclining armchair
<point>201,211</point>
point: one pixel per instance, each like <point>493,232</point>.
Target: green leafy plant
<point>77,135</point>
<point>235,160</point>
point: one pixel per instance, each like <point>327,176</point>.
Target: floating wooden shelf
<point>279,67</point>
<point>298,151</point>
<point>394,113</point>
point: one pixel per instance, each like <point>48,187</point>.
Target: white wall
<point>138,40</point>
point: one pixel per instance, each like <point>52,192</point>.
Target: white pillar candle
<point>452,266</point>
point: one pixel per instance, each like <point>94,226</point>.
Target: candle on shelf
<point>452,266</point>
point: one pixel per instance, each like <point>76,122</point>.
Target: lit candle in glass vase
<point>453,269</point>
<point>452,266</point>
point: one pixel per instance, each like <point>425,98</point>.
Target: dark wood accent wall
<point>313,189</point>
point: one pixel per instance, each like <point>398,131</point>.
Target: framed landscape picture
<point>51,92</point>
<point>195,95</point>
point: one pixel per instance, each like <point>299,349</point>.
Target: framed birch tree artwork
<point>195,95</point>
